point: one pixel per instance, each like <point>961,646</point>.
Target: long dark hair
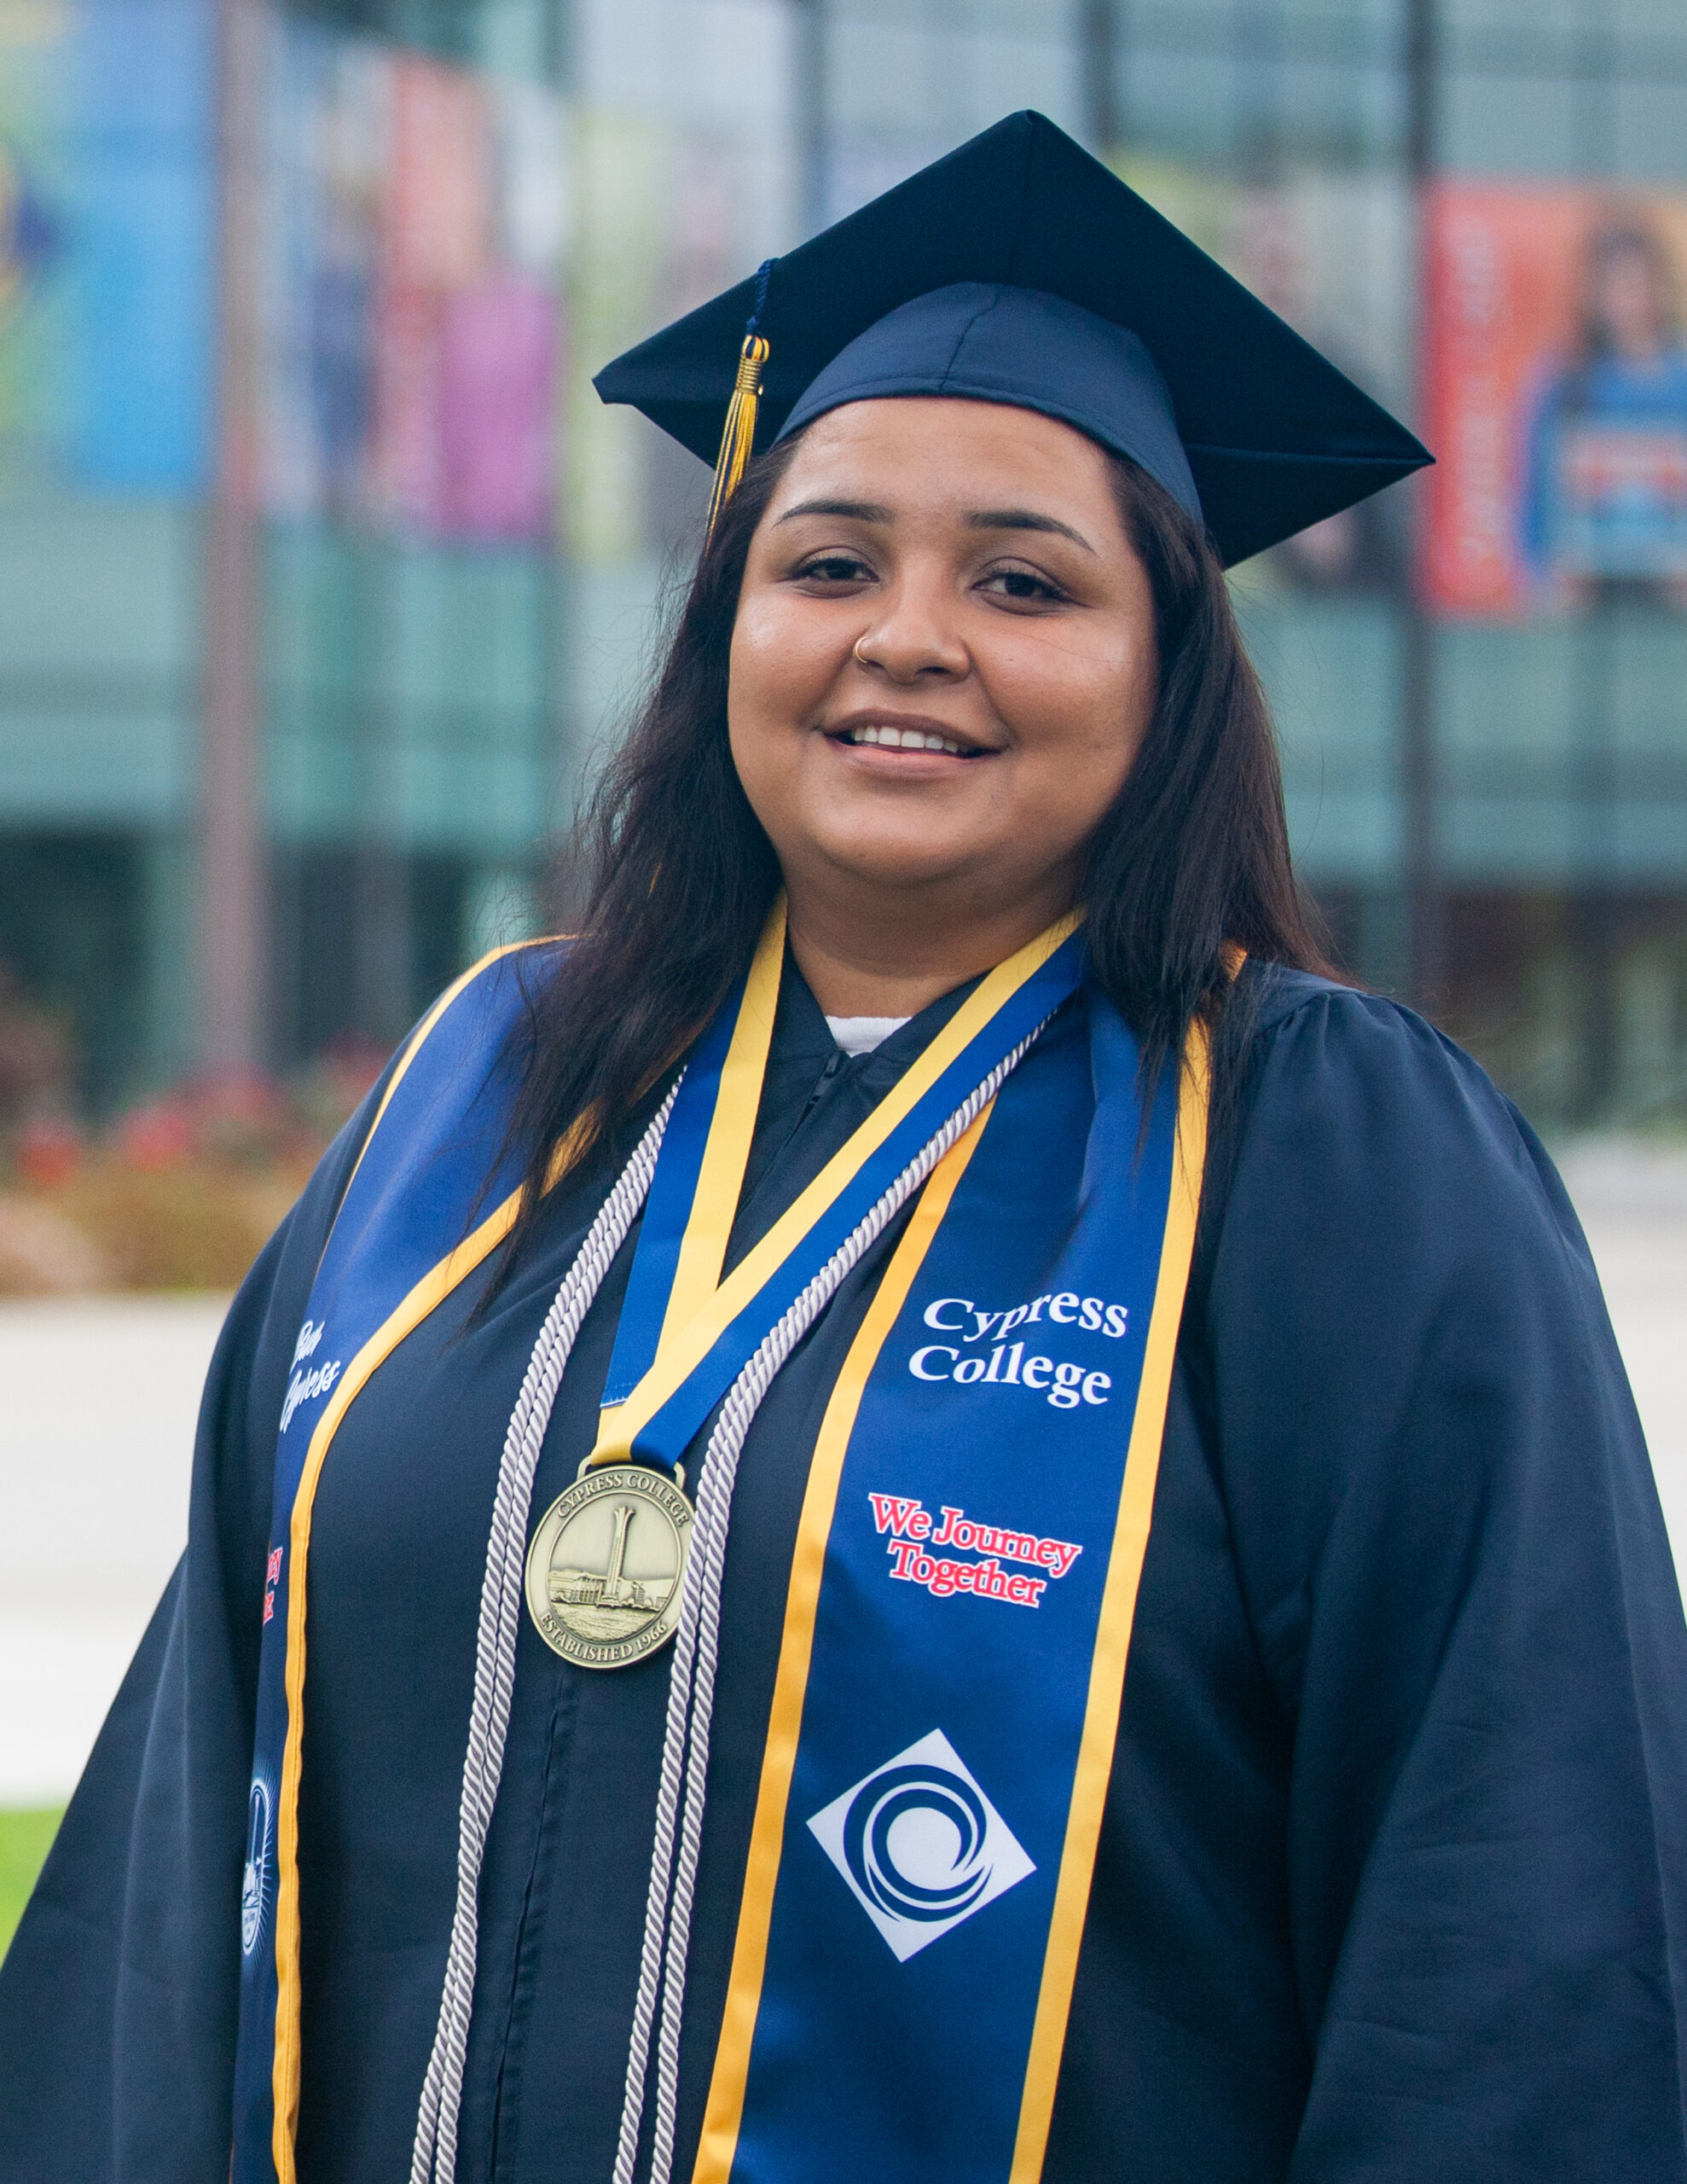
<point>1618,239</point>
<point>1191,860</point>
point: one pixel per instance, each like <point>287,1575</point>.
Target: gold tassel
<point>738,438</point>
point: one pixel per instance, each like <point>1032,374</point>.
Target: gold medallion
<point>605,1567</point>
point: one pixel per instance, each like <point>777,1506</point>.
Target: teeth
<point>904,739</point>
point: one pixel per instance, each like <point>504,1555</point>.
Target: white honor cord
<point>691,1692</point>
<point>435,2155</point>
<point>691,1689</point>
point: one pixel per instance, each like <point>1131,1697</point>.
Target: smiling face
<point>942,667</point>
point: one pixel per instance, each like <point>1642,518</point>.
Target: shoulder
<point>1303,1043</point>
<point>1392,1287</point>
<point>433,1081</point>
<point>455,1078</point>
<point>1346,1113</point>
<point>487,1002</point>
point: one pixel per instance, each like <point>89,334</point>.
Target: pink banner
<point>413,380</point>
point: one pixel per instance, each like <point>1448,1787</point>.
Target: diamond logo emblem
<point>919,1847</point>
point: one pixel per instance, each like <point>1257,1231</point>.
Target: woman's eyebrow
<point>861,511</point>
<point>982,519</point>
<point>1025,519</point>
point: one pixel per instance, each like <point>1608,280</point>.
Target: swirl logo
<point>921,1845</point>
<point>255,1880</point>
<point>935,1823</point>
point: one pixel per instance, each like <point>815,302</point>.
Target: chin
<point>893,861</point>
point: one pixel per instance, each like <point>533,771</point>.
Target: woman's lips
<point>889,735</point>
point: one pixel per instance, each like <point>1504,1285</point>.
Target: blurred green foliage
<point>26,1838</point>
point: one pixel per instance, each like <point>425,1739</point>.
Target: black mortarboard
<point>1020,270</point>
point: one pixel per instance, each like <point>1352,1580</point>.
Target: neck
<point>890,953</point>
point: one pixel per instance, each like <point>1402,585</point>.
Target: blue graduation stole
<point>961,1595</point>
<point>957,1622</point>
<point>401,1243</point>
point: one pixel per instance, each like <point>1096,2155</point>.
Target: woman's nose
<point>913,638</point>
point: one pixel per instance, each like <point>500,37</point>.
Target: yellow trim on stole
<point>420,1033</point>
<point>621,1427</point>
<point>1118,1614</point>
<point>702,1249</point>
<point>719,2143</point>
<point>428,1294</point>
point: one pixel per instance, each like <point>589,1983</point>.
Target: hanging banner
<point>106,239</point>
<point>1332,253</point>
<point>1555,396</point>
<point>416,217</point>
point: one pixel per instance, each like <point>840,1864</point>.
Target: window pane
<point>1496,125</point>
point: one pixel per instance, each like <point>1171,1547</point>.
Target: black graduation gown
<point>1391,1884</point>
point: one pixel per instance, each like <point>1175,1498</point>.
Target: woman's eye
<point>833,568</point>
<point>1021,584</point>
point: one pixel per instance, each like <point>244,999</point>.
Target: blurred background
<point>322,569</point>
<point>323,573</point>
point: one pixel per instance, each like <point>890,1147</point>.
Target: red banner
<point>1555,396</point>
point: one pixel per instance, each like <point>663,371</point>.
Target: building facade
<point>454,209</point>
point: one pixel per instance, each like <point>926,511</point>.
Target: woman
<point>1604,503</point>
<point>1126,1700</point>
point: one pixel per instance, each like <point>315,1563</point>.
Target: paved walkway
<point>96,1433</point>
<point>97,1423</point>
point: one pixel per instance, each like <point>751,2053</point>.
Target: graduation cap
<point>1019,269</point>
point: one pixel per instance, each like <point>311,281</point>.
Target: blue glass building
<point>1491,805</point>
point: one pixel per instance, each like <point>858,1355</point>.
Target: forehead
<point>936,450</point>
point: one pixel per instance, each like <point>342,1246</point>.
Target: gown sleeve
<point>118,1994</point>
<point>1456,1568</point>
